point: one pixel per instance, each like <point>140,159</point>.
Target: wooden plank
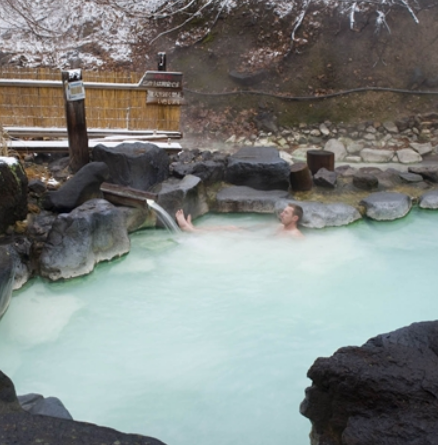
<point>127,196</point>
<point>61,146</point>
<point>60,132</point>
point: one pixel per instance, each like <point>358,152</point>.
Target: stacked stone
<point>404,141</point>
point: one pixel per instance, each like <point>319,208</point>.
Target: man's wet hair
<point>298,211</point>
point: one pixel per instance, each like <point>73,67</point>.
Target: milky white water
<point>207,338</point>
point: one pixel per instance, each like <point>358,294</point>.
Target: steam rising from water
<point>207,338</point>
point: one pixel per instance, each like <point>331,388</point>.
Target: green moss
<point>209,38</point>
<point>15,170</point>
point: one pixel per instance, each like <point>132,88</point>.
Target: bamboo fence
<point>112,108</point>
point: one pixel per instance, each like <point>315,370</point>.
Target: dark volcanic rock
<point>26,429</point>
<point>19,249</point>
<point>187,194</point>
<point>258,167</point>
<point>384,392</point>
<point>388,178</point>
<point>96,231</point>
<point>21,428</point>
<point>265,121</point>
<point>6,278</point>
<point>84,185</point>
<point>13,193</point>
<point>325,178</point>
<point>37,187</point>
<point>138,165</point>
<point>8,398</point>
<point>365,181</point>
<point>209,171</point>
<point>410,177</point>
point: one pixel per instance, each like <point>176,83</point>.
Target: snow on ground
<point>55,32</point>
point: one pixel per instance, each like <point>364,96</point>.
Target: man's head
<point>291,215</point>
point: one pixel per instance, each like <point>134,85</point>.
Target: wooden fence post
<point>74,99</point>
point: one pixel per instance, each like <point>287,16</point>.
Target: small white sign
<point>75,91</point>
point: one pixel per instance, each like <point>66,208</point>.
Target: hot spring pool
<point>206,339</point>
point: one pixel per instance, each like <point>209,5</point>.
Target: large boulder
<point>13,192</point>
<point>384,392</point>
<point>386,206</point>
<point>317,215</point>
<point>93,232</point>
<point>408,156</point>
<point>258,167</point>
<point>246,199</point>
<point>187,194</point>
<point>138,165</point>
<point>20,427</point>
<point>375,155</point>
<point>38,229</point>
<point>422,149</point>
<point>7,272</point>
<point>84,185</point>
<point>19,249</point>
<point>337,147</point>
<point>209,171</point>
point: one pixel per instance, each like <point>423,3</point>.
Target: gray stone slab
<point>429,200</point>
<point>386,206</point>
<point>318,215</point>
<point>246,199</point>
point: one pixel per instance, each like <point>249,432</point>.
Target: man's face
<point>287,215</point>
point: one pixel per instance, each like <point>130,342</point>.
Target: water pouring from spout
<point>163,216</point>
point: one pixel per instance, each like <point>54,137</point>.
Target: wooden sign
<point>161,79</point>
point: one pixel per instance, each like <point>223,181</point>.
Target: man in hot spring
<point>290,217</point>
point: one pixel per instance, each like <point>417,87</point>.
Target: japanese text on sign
<point>75,91</point>
<point>161,79</point>
<point>163,97</point>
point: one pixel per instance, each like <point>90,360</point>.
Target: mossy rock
<point>13,196</point>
